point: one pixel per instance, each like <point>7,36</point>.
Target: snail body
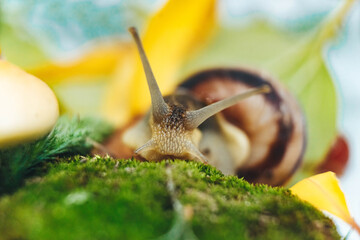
<point>260,137</point>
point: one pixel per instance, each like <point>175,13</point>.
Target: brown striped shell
<point>273,122</point>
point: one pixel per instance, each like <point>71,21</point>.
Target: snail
<point>259,134</point>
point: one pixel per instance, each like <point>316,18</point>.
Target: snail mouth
<point>154,152</point>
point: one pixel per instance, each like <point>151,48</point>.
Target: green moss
<point>101,198</point>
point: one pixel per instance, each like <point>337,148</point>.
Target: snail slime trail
<point>212,118</point>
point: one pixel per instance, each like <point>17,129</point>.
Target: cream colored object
<point>28,107</point>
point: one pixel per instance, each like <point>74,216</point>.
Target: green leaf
<point>31,53</point>
<point>307,77</point>
<point>256,45</point>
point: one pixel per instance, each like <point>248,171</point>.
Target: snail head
<point>174,127</point>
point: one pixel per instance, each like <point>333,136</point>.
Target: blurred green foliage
<point>70,136</point>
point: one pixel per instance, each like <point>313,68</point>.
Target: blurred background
<point>83,51</point>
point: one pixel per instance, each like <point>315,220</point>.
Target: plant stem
<point>332,25</point>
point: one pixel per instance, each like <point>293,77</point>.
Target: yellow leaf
<point>323,191</point>
<point>169,38</point>
<point>99,61</point>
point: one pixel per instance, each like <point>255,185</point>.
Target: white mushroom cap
<point>28,107</point>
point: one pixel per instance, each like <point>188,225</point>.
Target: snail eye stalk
<point>159,107</point>
<point>195,118</point>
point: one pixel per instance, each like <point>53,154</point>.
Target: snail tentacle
<point>195,118</point>
<point>148,144</point>
<point>194,151</point>
<point>159,107</point>
<point>148,150</point>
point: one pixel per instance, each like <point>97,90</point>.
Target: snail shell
<point>273,122</point>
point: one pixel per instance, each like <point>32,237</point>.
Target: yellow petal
<point>99,61</point>
<point>323,191</point>
<point>170,36</point>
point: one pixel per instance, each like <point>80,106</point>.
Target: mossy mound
<point>103,198</point>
